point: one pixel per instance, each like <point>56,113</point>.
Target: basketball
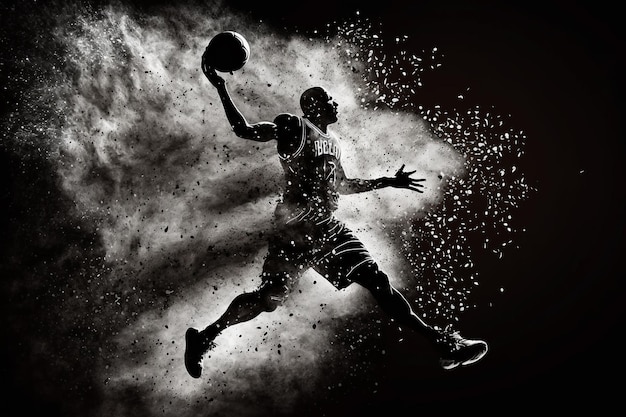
<point>227,52</point>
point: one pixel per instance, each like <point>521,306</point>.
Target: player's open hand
<point>403,179</point>
<point>211,74</point>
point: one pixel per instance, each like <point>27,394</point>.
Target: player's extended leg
<point>390,300</point>
<point>454,349</point>
<point>243,308</point>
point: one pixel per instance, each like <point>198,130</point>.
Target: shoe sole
<point>451,365</point>
<point>477,357</point>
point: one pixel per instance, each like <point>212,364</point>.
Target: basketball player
<point>308,235</point>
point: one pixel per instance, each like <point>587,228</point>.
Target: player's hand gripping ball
<point>227,52</point>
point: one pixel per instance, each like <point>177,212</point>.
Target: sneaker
<point>196,345</point>
<point>457,351</point>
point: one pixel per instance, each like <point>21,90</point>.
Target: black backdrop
<point>556,332</point>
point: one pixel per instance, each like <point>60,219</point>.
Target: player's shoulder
<point>289,129</point>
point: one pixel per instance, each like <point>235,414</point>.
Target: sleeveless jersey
<point>310,171</point>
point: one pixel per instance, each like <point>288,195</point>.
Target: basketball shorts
<point>302,241</point>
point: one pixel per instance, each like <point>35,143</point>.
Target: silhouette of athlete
<point>307,235</point>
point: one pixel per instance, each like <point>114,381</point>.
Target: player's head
<point>317,104</point>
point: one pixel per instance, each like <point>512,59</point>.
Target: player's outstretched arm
<point>260,132</point>
<point>401,179</point>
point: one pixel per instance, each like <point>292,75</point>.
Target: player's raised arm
<point>260,132</point>
<point>401,179</point>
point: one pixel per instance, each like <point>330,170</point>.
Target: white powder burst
<point>182,206</point>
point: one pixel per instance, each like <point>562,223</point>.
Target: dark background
<point>555,333</point>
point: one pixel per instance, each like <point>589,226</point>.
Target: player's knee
<point>273,295</point>
<point>371,277</point>
<point>273,299</point>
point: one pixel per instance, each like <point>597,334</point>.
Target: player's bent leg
<point>244,307</point>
